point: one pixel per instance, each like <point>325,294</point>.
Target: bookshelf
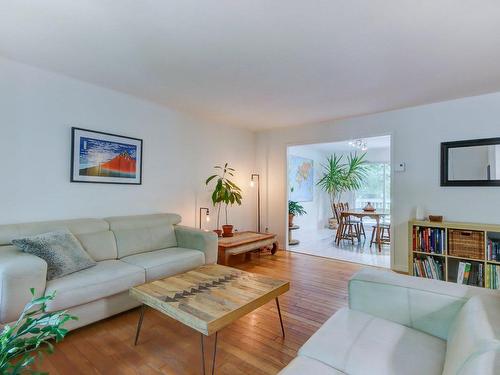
<point>453,251</point>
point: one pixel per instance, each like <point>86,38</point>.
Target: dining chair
<point>385,234</point>
<point>347,230</point>
<point>358,222</point>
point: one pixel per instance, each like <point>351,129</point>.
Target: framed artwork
<point>300,179</point>
<point>105,158</point>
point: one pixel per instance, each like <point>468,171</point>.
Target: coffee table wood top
<point>209,297</point>
<point>243,238</point>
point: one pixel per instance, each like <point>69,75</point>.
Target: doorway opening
<point>354,224</point>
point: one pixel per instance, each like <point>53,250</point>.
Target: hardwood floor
<point>251,345</point>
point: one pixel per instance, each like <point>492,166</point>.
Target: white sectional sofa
<point>401,325</point>
<point>129,251</point>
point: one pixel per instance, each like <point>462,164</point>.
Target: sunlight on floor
<point>321,242</point>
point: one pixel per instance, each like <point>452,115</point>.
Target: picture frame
<point>105,158</point>
<point>490,175</point>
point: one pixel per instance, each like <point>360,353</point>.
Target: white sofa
<point>129,251</point>
<point>404,325</point>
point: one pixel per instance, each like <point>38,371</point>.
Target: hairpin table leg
<point>203,353</point>
<point>139,324</point>
<point>281,319</point>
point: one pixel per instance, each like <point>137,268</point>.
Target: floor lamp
<point>256,177</point>
<point>207,215</point>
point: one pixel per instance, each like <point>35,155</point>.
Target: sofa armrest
<point>198,239</point>
<point>424,304</point>
<point>18,273</point>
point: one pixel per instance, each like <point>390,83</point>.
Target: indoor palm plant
<point>294,209</point>
<point>25,340</point>
<point>340,177</point>
<point>226,193</point>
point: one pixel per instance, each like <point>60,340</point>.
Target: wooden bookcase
<point>451,262</point>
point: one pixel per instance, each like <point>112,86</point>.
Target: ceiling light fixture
<point>359,144</point>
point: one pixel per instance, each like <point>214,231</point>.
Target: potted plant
<point>20,342</point>
<point>225,192</point>
<point>339,177</point>
<point>294,209</point>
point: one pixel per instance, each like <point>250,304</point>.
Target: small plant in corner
<point>225,192</point>
<point>26,340</point>
<point>294,209</point>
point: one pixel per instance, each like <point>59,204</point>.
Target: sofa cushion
<point>357,343</point>
<point>107,278</point>
<point>99,245</point>
<point>474,338</point>
<point>305,365</point>
<point>167,262</point>
<point>143,233</point>
<point>423,304</point>
<point>61,250</point>
<point>9,232</point>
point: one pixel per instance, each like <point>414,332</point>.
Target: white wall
<point>417,133</point>
<point>38,109</point>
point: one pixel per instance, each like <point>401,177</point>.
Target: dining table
<point>377,215</point>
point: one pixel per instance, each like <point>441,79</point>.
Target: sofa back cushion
<point>99,245</point>
<point>93,234</point>
<point>143,233</point>
<point>473,345</point>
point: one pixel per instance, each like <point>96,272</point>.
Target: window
<point>377,187</point>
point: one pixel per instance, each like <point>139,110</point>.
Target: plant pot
<point>227,231</point>
<point>218,232</point>
<point>290,220</point>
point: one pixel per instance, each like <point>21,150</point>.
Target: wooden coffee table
<point>245,242</point>
<point>209,298</point>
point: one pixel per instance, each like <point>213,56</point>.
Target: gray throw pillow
<point>60,249</point>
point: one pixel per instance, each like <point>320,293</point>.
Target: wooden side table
<point>291,241</point>
<point>245,242</point>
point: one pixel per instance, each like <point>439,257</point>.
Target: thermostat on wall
<point>400,167</point>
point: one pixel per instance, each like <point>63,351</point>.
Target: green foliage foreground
<point>26,340</point>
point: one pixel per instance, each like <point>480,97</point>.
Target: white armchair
<point>398,324</point>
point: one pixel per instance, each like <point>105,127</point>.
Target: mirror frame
<point>445,146</point>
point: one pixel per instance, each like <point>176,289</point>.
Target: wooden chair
<point>347,230</point>
<point>385,234</point>
<point>358,222</point>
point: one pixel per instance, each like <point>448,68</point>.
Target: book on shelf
<point>429,240</point>
<point>470,273</point>
<point>493,252</point>
<point>429,268</point>
<point>492,276</point>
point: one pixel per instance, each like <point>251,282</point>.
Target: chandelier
<point>359,144</point>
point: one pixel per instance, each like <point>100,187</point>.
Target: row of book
<point>428,267</point>
<point>470,273</point>
<point>493,250</point>
<point>429,240</point>
<point>493,276</point>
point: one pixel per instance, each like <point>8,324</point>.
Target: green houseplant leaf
<point>31,335</point>
<point>225,191</point>
<point>339,176</point>
<point>295,209</point>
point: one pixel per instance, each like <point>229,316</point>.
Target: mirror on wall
<point>471,163</point>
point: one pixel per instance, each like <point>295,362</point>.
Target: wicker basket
<point>466,244</point>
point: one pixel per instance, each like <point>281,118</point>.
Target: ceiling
<point>262,64</point>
